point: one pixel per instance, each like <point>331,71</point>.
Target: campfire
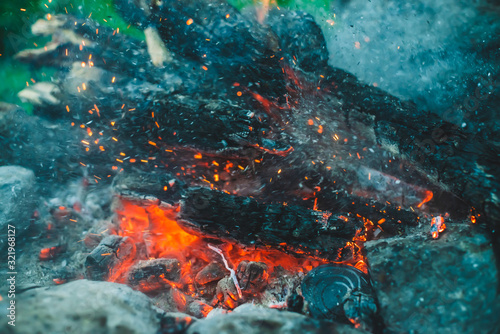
<point>222,163</point>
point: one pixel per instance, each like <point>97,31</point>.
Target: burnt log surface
<point>247,221</point>
<point>239,90</point>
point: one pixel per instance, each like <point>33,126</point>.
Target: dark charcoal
<point>340,292</point>
<point>300,37</point>
<point>295,303</point>
<point>252,48</point>
<point>175,323</point>
<point>290,228</point>
<point>211,273</point>
<point>252,276</point>
<point>142,184</point>
<point>105,256</point>
<point>151,274</point>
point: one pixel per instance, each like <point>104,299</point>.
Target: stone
<point>252,319</point>
<point>85,307</point>
<point>443,286</point>
<point>18,200</point>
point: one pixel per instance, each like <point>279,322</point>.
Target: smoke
<point>426,51</point>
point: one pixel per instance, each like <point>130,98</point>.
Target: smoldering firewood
<point>171,300</point>
<point>213,272</point>
<point>227,293</point>
<point>247,221</point>
<point>300,37</point>
<point>252,276</point>
<point>154,274</point>
<point>141,184</point>
<point>391,122</point>
<point>106,256</point>
<point>35,143</point>
<point>253,47</point>
<point>50,253</point>
<point>198,309</point>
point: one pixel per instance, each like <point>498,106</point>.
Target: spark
<point>437,226</point>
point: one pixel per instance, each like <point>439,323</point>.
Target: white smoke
<point>425,50</point>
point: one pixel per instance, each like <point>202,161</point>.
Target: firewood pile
<point>225,162</point>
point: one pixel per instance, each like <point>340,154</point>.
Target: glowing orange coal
<point>152,232</point>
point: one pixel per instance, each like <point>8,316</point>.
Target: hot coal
<point>252,276</point>
<point>110,252</point>
<point>213,272</point>
<point>154,274</point>
<point>340,292</point>
<point>227,293</point>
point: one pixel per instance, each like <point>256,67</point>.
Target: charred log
<point>111,251</point>
<point>289,228</point>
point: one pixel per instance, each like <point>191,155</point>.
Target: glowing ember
<point>428,197</point>
<point>437,226</point>
<point>152,236</point>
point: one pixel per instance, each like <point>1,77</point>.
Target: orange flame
<point>156,228</point>
<point>428,197</point>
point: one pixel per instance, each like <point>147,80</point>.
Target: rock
<point>250,319</point>
<point>18,200</point>
<point>86,307</point>
<point>446,285</point>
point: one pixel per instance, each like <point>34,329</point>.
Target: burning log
<point>288,228</point>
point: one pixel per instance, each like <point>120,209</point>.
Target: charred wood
<point>289,228</point>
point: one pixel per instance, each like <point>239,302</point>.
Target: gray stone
<point>85,307</point>
<point>443,286</point>
<point>251,319</point>
<point>17,200</point>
